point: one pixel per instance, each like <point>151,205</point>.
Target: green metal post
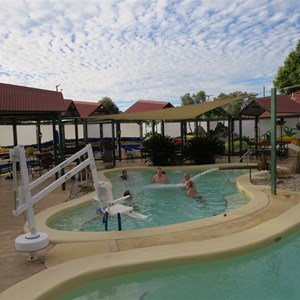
<point>113,140</point>
<point>76,135</point>
<point>118,127</point>
<point>229,137</point>
<point>15,135</point>
<point>61,148</point>
<point>241,137</point>
<point>273,142</point>
<point>162,127</point>
<point>256,135</point>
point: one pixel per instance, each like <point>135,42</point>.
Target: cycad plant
<point>202,150</point>
<point>159,149</point>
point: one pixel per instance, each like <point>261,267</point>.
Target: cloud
<point>160,50</point>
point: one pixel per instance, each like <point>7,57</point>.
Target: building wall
<point>27,134</point>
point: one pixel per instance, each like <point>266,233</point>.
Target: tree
<point>186,99</point>
<point>197,98</point>
<point>236,106</point>
<point>109,105</point>
<point>200,97</point>
<point>289,73</point>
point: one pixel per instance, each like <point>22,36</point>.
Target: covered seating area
<point>29,106</point>
<point>190,113</point>
<point>259,109</point>
<point>25,106</point>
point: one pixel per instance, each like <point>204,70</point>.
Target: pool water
<point>164,204</point>
<point>270,273</point>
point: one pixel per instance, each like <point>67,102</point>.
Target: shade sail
<point>169,114</point>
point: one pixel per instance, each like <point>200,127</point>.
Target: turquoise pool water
<point>269,274</point>
<point>164,204</point>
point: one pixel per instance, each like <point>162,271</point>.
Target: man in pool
<point>160,177</point>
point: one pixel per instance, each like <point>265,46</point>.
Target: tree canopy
<point>289,73</point>
<point>196,98</point>
<point>236,106</point>
<point>109,105</point>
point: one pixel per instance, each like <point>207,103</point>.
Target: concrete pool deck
<point>264,221</point>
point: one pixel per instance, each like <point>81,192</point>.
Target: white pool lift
<point>34,241</point>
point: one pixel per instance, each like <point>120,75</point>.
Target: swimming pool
<point>271,273</point>
<point>163,204</point>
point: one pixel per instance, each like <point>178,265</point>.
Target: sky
<point>152,50</point>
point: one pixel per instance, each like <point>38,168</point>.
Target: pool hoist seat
<point>113,207</point>
<point>127,210</point>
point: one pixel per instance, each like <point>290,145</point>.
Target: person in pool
<point>186,178</point>
<point>124,175</point>
<point>127,193</point>
<point>191,191</point>
<point>160,176</point>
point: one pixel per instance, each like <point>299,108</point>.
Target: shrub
<point>202,150</point>
<point>160,149</point>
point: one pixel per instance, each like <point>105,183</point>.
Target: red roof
<point>285,105</point>
<point>296,97</point>
<point>70,109</point>
<point>20,98</point>
<point>87,109</point>
<point>146,105</point>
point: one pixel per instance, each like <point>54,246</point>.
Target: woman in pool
<point>191,191</point>
<point>186,178</point>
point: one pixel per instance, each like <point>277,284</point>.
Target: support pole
<point>118,126</point>
<point>241,137</point>
<point>162,128</point>
<point>273,142</point>
<point>230,133</point>
<point>61,148</point>
<point>113,139</point>
<point>119,222</point>
<point>106,221</point>
<point>256,135</point>
<point>15,135</point>
<point>76,135</point>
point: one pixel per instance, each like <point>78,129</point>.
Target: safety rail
<point>248,153</point>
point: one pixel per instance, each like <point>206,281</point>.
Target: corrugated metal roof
<point>146,105</point>
<point>171,114</point>
<point>296,97</point>
<point>70,109</point>
<point>262,107</point>
<point>20,98</point>
<point>87,109</point>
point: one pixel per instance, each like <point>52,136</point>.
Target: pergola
<point>23,105</point>
<point>30,106</point>
<point>286,107</point>
<point>180,114</point>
